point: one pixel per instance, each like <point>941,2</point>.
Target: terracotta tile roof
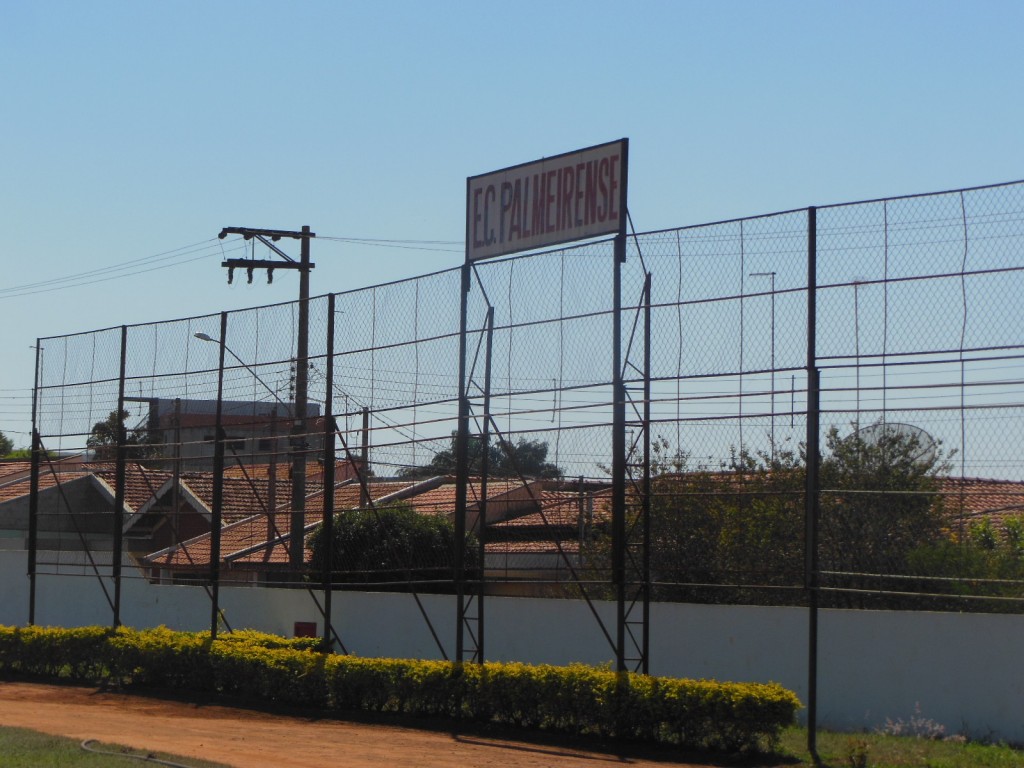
<point>241,497</point>
<point>260,541</point>
<point>441,500</point>
<point>553,532</point>
<point>973,499</point>
<point>20,488</point>
<point>260,471</point>
<point>255,551</point>
<point>532,547</point>
<point>254,540</point>
<point>16,469</point>
<point>140,483</point>
<point>235,537</point>
<point>9,469</point>
<point>343,470</point>
<point>254,546</point>
<point>559,508</point>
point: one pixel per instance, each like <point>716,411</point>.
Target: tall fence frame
<point>649,395</point>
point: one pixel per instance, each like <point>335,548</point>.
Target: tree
<point>738,524</point>
<point>731,534</point>
<point>393,544</point>
<point>985,561</point>
<point>736,532</point>
<point>878,505</point>
<point>526,457</point>
<point>6,444</point>
<point>103,439</point>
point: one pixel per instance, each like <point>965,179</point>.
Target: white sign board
<point>568,197</point>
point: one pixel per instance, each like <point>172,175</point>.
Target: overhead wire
<point>109,273</point>
<point>414,245</point>
<point>204,249</point>
<point>114,267</point>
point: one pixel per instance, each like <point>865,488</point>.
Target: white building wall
<point>961,670</point>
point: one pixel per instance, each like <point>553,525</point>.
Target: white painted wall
<point>961,670</point>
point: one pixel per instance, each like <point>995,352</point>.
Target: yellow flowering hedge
<point>578,699</point>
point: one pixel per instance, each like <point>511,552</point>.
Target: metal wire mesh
<point>916,336</point>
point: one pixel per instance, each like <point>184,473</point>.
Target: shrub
<point>577,699</point>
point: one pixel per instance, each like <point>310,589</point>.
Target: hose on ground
<point>145,758</point>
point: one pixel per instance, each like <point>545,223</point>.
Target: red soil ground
<point>252,739</point>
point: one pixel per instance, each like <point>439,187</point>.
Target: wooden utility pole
<point>299,430</point>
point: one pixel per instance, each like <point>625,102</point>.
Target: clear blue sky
<point>133,129</point>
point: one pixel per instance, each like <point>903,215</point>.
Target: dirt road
<point>249,739</point>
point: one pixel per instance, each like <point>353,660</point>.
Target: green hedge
<point>578,699</point>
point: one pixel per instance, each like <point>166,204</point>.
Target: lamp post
<point>297,533</point>
<point>206,337</point>
<point>771,276</point>
<point>856,345</point>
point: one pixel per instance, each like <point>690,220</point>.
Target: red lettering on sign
<point>568,192</point>
<point>506,205</point>
<point>537,214</point>
<point>515,213</point>
<point>555,200</point>
<point>580,182</point>
<point>590,195</point>
<point>613,185</point>
<point>477,216</point>
<point>489,195</point>
<point>602,187</point>
<point>550,197</point>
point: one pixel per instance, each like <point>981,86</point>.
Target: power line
<point>114,267</point>
<point>389,240</point>
<point>76,280</point>
<point>410,245</point>
<point>205,249</point>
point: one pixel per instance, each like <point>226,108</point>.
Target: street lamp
<point>206,337</point>
<point>857,281</point>
<point>298,514</point>
<point>771,276</point>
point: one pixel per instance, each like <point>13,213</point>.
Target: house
<point>256,548</point>
<point>536,531</point>
<point>530,531</point>
<point>970,501</point>
<point>256,432</point>
<point>76,502</point>
<point>547,544</point>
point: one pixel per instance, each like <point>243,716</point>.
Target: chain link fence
<point>174,452</point>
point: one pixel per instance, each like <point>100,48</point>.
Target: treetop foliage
<point>6,445</point>
<point>102,439</point>
<point>505,459</point>
<point>392,543</point>
<point>736,532</point>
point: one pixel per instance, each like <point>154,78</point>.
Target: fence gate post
<point>461,472</point>
<point>119,474</point>
<point>217,512</point>
<point>33,499</point>
<point>330,459</point>
<point>812,489</point>
<point>618,460</point>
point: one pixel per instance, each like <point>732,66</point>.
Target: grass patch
<point>24,748</point>
<point>877,750</point>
